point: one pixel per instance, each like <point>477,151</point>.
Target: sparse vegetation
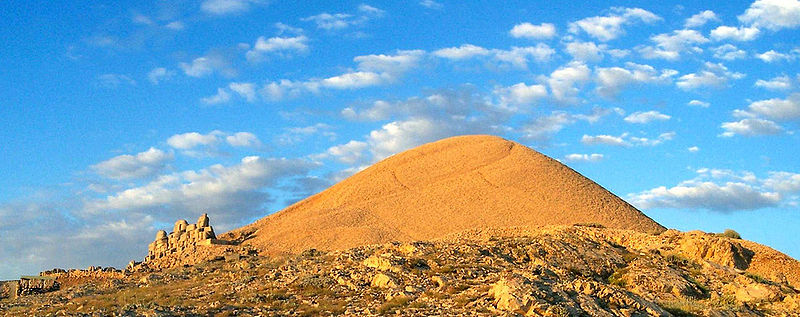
<point>730,233</point>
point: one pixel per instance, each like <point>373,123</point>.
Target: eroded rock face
<point>723,251</point>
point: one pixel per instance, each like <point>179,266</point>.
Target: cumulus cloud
<point>772,56</point>
<point>669,46</point>
<point>341,21</point>
<point>430,4</point>
<point>465,51</point>
<point>773,14</point>
<point>243,139</point>
<point>222,96</point>
<point>531,31</point>
<point>626,139</point>
<point>234,193</point>
<point>693,149</point>
<point>594,157</point>
<point>700,19</point>
<point>604,139</point>
<point>735,33</point>
<point>609,27</point>
<point>728,52</point>
<point>159,74</point>
<point>245,90</point>
<point>585,51</point>
<point>566,81</point>
<point>643,117</point>
<point>750,127</point>
<point>722,190</point>
<point>207,65</point>
<point>521,94</point>
<point>712,75</point>
<point>777,108</point>
<point>516,57</point>
<point>226,7</point>
<point>611,80</point>
<point>698,103</point>
<point>398,63</point>
<point>297,134</point>
<point>350,153</point>
<point>281,46</point>
<point>143,164</point>
<point>189,140</point>
<point>776,83</point>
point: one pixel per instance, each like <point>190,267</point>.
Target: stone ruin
<point>184,236</point>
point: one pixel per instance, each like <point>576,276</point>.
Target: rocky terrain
<point>582,270</point>
<point>471,225</point>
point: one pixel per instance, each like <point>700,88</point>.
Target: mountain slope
<point>439,188</point>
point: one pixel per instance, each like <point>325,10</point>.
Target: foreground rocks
<point>554,271</point>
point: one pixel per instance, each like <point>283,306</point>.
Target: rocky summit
<point>466,226</point>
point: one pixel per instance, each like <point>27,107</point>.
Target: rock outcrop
<point>183,236</point>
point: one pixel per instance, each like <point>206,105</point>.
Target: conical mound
<point>439,188</point>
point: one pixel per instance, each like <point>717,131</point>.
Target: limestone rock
<point>383,281</point>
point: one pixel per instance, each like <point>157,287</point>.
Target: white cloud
<point>669,46</point>
<point>350,153</point>
<point>698,103</point>
<point>246,90</point>
<point>283,46</point>
<point>604,139</point>
<point>243,139</point>
<point>399,63</point>
<point>610,81</point>
<point>626,140</point>
<point>465,51</point>
<point>609,27</point>
<point>159,74</point>
<point>784,182</point>
<point>127,166</point>
<point>773,56</point>
<point>380,110</point>
<point>646,117</point>
<point>222,96</point>
<point>778,109</point>
<point>723,190</point>
<point>565,82</point>
<point>430,4</point>
<point>693,149</point>
<point>712,75</point>
<point>776,83</point>
<point>700,19</point>
<point>518,57</point>
<point>728,52</point>
<point>583,157</point>
<point>750,127</point>
<point>585,51</point>
<point>730,196</point>
<point>175,25</point>
<point>531,31</point>
<point>520,94</point>
<point>224,7</point>
<point>186,141</point>
<point>297,134</point>
<point>206,65</point>
<point>341,21</point>
<point>733,33</point>
<point>231,192</point>
<point>773,14</point>
<point>354,80</point>
<point>541,128</point>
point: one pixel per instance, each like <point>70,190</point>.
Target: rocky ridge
<point>548,271</point>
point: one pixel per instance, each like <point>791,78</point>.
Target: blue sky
<point>119,119</point>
